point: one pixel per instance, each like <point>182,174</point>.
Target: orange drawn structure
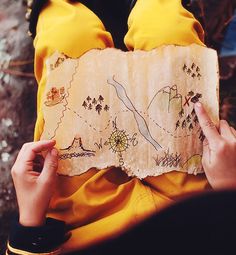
<point>55,96</point>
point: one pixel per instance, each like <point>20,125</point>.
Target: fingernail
<point>54,152</point>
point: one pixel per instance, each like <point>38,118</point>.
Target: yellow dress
<point>102,203</point>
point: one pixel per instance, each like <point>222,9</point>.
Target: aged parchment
<point>130,109</point>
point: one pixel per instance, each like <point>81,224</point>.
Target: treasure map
<point>133,110</point>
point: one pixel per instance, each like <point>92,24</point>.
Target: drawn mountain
<point>166,99</point>
<point>76,149</point>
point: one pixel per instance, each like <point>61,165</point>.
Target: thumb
<point>50,165</point>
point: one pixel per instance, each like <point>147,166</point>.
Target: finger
<point>233,132</point>
<point>206,157</point>
<point>43,145</point>
<point>50,166</point>
<point>208,127</point>
<point>225,131</point>
<point>30,150</point>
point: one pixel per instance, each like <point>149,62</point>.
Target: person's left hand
<point>34,179</point>
<point>219,151</point>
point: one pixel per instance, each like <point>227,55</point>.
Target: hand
<point>34,179</point>
<point>219,151</point>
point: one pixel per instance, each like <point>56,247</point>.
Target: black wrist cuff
<point>41,239</point>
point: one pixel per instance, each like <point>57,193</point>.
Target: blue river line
<point>142,125</point>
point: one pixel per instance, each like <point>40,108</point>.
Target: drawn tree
<point>98,108</point>
<point>184,124</point>
<point>90,107</point>
<point>195,120</point>
<point>193,65</point>
<point>199,95</point>
<point>106,108</point>
<point>94,101</point>
<point>188,119</point>
<point>196,98</point>
<point>193,113</point>
<point>89,98</point>
<point>177,124</point>
<point>100,99</point>
<point>202,136</point>
<point>84,104</point>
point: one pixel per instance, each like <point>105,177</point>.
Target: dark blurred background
<point>18,87</point>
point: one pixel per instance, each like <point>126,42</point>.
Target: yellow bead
<point>29,33</point>
<point>28,13</point>
<point>30,3</point>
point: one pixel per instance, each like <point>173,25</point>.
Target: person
<point>104,202</point>
<point>35,188</point>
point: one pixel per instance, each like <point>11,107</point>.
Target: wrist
<point>29,221</point>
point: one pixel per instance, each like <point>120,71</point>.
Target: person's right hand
<point>219,151</point>
<point>34,181</point>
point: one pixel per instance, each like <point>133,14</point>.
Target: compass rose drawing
<point>118,141</point>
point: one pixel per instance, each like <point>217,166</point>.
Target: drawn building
<point>55,96</point>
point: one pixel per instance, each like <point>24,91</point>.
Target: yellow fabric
<point>103,203</point>
<point>21,252</point>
